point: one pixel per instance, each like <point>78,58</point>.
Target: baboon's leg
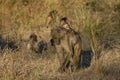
<point>77,52</point>
<point>66,61</point>
<point>68,57</point>
<point>60,56</point>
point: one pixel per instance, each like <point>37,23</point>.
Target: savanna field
<point>97,21</point>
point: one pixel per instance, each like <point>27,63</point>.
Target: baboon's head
<point>32,41</point>
<point>57,34</point>
<point>63,20</point>
<point>53,13</point>
<point>33,37</point>
<point>51,16</point>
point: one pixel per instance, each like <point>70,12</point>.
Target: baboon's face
<point>33,38</point>
<point>57,35</point>
<point>32,41</point>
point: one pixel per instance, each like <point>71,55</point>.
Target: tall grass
<point>99,20</point>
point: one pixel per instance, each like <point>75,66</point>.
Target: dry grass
<point>23,65</point>
<point>97,19</point>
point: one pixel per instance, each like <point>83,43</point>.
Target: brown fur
<point>68,44</point>
<point>32,41</point>
<point>35,45</point>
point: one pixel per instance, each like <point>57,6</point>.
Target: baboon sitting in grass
<point>68,44</point>
<point>35,45</point>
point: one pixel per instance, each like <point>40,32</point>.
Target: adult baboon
<point>68,44</point>
<point>35,45</point>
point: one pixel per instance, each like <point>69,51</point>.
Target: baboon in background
<point>52,18</point>
<point>35,45</point>
<point>32,42</point>
<point>68,44</point>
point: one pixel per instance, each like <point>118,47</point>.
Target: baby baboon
<point>35,45</point>
<point>32,41</point>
